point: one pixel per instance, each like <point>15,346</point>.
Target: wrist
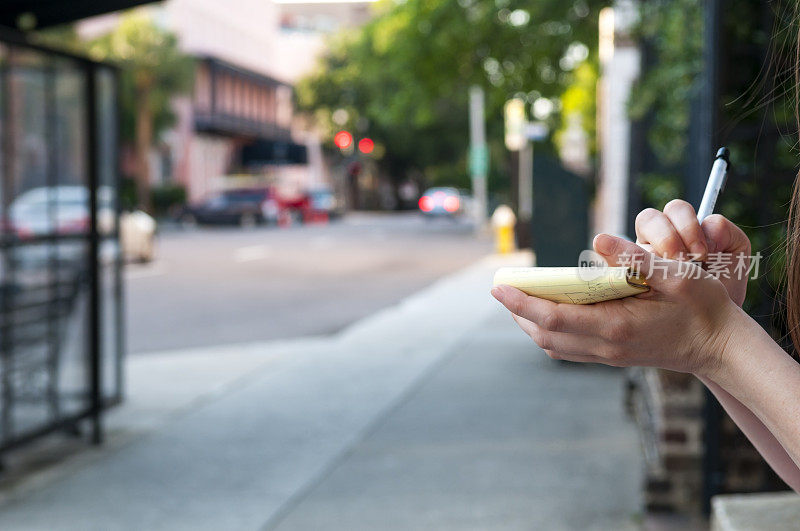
<point>731,335</point>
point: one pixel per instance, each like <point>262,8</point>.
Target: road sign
<point>514,112</point>
<point>536,131</point>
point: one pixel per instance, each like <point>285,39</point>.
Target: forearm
<point>758,434</point>
<point>763,378</point>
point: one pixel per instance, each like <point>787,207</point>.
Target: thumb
<point>621,252</point>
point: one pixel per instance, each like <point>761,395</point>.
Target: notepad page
<point>569,284</point>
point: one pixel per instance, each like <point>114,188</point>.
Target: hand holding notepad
<point>578,285</point>
<point>573,285</point>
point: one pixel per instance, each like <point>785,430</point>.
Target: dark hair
<point>793,228</point>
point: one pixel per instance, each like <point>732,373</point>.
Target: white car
<point>442,201</point>
<point>137,236</point>
<point>63,210</point>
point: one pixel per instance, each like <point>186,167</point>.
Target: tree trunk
<point>144,140</point>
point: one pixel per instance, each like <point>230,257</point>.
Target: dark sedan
<point>244,207</point>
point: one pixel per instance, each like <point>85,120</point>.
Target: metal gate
<point>60,288</point>
<point>560,224</point>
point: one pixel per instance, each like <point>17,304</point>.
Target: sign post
<point>514,111</point>
<point>478,155</point>
<point>532,131</point>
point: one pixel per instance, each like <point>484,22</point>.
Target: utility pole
<point>478,155</point>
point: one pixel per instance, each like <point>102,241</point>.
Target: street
<point>223,285</point>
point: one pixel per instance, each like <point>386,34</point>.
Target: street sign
<point>479,160</point>
<point>514,112</point>
<point>536,131</point>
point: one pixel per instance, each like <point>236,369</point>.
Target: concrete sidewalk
<point>436,413</point>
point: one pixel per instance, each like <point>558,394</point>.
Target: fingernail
<point>497,292</point>
<point>604,244</point>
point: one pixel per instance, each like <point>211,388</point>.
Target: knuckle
<point>544,340</point>
<point>612,354</point>
<point>646,215</point>
<point>678,205</point>
<point>715,219</point>
<point>517,306</point>
<point>747,245</point>
<point>553,321</point>
<point>718,225</point>
<point>670,245</point>
<point>619,332</point>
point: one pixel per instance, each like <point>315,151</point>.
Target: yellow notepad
<point>573,285</point>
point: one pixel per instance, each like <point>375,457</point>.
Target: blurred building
<point>303,28</point>
<point>240,119</point>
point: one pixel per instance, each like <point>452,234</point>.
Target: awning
<point>265,151</point>
<point>44,13</point>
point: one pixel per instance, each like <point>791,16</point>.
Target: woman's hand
<point>683,323</point>
<point>676,233</point>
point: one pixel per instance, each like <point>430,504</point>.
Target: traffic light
<point>366,145</point>
<point>343,140</point>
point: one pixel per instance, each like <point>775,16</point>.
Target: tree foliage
<point>150,62</point>
<point>153,70</point>
<point>580,97</point>
<point>404,77</point>
<point>756,119</point>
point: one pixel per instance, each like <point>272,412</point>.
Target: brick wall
<point>668,410</point>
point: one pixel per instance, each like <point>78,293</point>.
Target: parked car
<point>64,210</point>
<point>441,201</point>
<point>59,210</point>
<point>240,206</point>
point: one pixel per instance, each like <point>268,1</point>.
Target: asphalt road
<point>213,286</point>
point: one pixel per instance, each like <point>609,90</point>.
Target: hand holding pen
<point>678,233</point>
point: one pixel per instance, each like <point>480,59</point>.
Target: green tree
<point>153,71</point>
<point>580,98</point>
<point>756,121</point>
<point>404,77</point>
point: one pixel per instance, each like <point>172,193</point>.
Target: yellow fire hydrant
<point>503,220</point>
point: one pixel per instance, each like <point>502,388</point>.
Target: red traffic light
<point>343,139</point>
<point>366,145</point>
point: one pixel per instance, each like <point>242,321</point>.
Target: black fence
<point>61,335</point>
<point>739,100</point>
